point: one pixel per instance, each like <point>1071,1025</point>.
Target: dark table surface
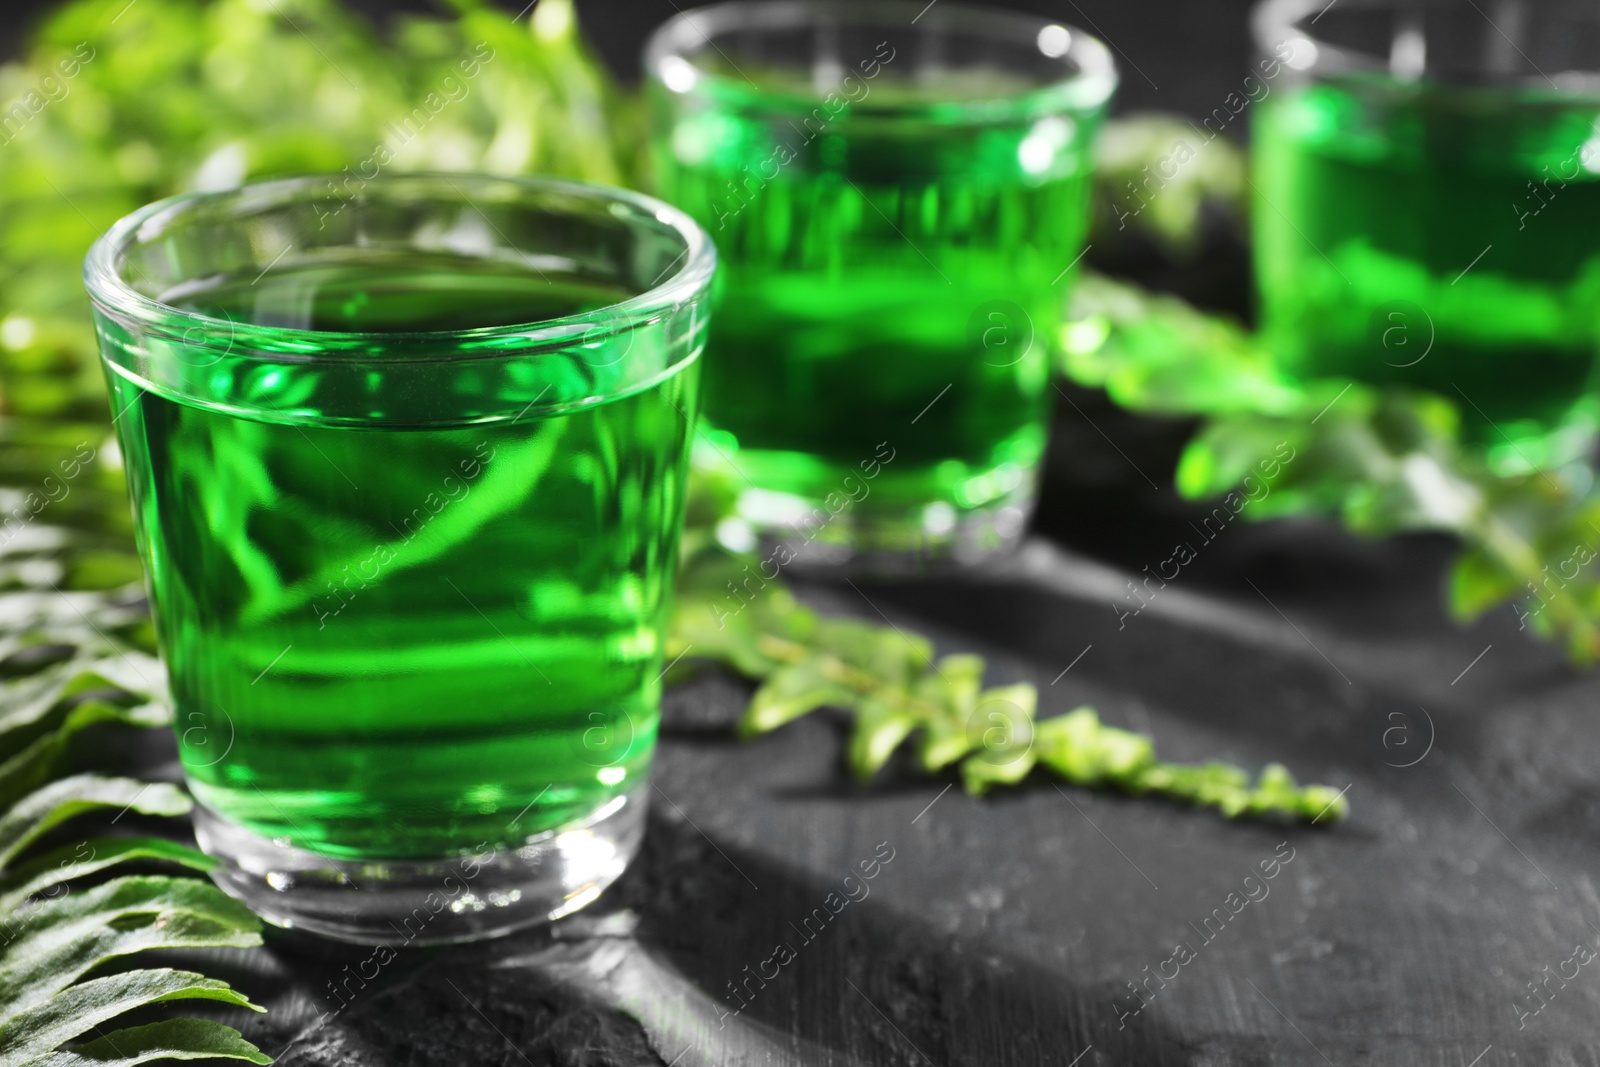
<point>1007,930</point>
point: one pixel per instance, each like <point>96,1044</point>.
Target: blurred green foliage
<point>1155,175</point>
<point>118,104</point>
<point>1381,461</point>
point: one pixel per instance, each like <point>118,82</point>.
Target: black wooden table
<point>1452,920</point>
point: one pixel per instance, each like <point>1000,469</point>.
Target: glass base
<point>426,902</point>
<point>923,540</point>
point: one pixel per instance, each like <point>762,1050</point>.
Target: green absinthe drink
<point>898,196</point>
<point>1427,211</point>
<point>408,472</point>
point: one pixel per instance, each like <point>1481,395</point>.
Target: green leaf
<point>34,1033</point>
<point>1381,460</point>
<point>1320,802</point>
<point>170,1039</point>
<point>1158,355</point>
<point>945,739</point>
<point>789,693</point>
<point>1079,748</point>
<point>46,808</point>
<point>103,569</point>
<point>174,95</point>
<point>709,622</point>
<point>53,943</point>
<point>88,857</point>
<point>39,702</point>
<point>1276,790</point>
<point>999,734</point>
<point>34,765</point>
<point>22,658</point>
<point>1477,583</point>
<point>982,771</point>
<point>1214,784</point>
<point>952,692</point>
<point>879,729</point>
<point>883,652</point>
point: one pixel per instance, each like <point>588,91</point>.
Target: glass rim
<point>116,298</point>
<point>1089,84</point>
<point>1275,22</point>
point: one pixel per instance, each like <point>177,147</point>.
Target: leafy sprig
<point>59,923</point>
<point>1381,461</point>
<point>899,696</point>
<point>71,665</point>
<point>168,96</point>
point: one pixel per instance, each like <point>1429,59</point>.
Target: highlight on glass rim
<point>623,533</point>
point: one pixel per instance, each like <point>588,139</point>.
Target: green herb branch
<point>74,662</point>
<point>1381,461</point>
<point>61,918</point>
<point>899,696</point>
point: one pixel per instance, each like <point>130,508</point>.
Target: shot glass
<point>1427,208</point>
<point>407,464</point>
<point>899,194</point>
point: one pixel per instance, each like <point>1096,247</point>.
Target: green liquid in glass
<point>453,633</point>
<point>885,290</point>
<point>1443,239</point>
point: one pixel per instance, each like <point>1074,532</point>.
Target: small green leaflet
<point>55,942</point>
<point>33,765</point>
<point>170,1039</point>
<point>30,1035</point>
<point>53,932</point>
<point>71,862</point>
<point>58,802</point>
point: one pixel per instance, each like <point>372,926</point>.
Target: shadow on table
<point>703,954</point>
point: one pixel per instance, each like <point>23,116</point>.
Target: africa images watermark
<point>455,489</point>
<point>836,503</point>
<point>453,895</point>
<point>854,890</point>
<point>1184,953</point>
<point>1254,490</point>
<point>1540,994</point>
<point>1168,167</point>
<point>1585,157</point>
<point>54,489</point>
<point>785,152</point>
<point>82,855</point>
<point>52,87</point>
<point>13,924</point>
<point>403,131</point>
<point>1581,556</point>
